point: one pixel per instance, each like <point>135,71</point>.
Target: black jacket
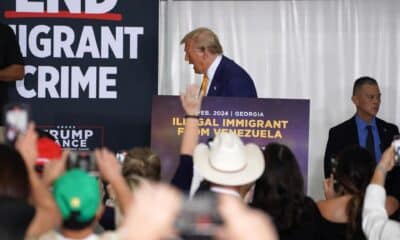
<point>345,134</point>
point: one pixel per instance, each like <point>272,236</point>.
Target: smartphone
<point>198,217</point>
<point>120,156</point>
<point>396,146</point>
<point>334,164</point>
<point>16,120</point>
<point>83,160</point>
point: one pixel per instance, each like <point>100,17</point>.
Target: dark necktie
<point>370,145</point>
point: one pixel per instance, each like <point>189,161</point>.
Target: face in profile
<point>194,56</point>
<point>367,100</point>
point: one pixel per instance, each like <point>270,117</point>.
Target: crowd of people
<point>259,192</point>
<point>60,203</point>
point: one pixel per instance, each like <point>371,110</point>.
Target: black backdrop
<point>91,68</point>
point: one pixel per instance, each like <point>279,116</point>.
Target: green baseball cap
<point>77,191</point>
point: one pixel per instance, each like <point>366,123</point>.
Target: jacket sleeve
<point>184,174</point>
<point>375,221</point>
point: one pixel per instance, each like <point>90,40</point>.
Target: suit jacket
<point>231,80</point>
<point>345,134</point>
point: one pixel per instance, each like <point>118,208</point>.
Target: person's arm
<point>47,214</point>
<point>375,220</point>
<point>191,103</point>
<point>14,62</point>
<point>153,213</point>
<point>54,169</point>
<point>110,171</point>
<point>12,72</point>
<point>392,180</point>
<point>329,189</point>
<point>385,165</point>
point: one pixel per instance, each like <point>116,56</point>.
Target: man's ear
<point>354,99</point>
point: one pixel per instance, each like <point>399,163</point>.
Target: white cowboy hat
<point>228,161</point>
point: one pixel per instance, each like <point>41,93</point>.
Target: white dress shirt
<point>212,69</point>
<point>375,221</point>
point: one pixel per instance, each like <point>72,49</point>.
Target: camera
<point>16,119</point>
<point>396,146</point>
<point>199,216</point>
<point>83,160</point>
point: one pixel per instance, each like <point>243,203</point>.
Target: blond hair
<point>204,39</point>
<point>141,163</point>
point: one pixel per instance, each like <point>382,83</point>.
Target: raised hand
<point>108,165</point>
<point>54,168</point>
<point>387,159</point>
<point>26,144</point>
<point>152,213</point>
<point>329,190</point>
<point>191,100</point>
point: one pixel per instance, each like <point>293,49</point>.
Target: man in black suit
<point>366,130</point>
<point>221,76</point>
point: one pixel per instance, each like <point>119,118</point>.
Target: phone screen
<point>16,121</point>
<point>396,146</point>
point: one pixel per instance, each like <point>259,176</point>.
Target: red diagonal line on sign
<point>64,14</point>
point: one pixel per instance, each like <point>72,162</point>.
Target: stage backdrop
<point>255,120</point>
<point>91,68</point>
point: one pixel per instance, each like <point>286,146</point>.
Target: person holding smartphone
<point>375,220</point>
<point>11,65</point>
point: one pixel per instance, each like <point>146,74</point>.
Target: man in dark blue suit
<point>366,130</point>
<point>228,79</point>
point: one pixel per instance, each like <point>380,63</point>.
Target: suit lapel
<point>383,134</point>
<point>353,132</point>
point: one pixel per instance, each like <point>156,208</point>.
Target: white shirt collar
<point>225,191</point>
<point>212,69</point>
